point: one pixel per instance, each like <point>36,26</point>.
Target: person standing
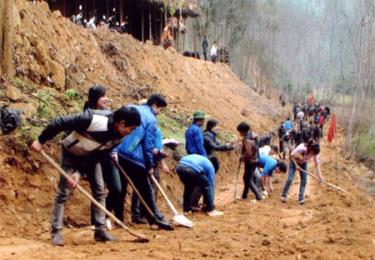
<point>92,137</point>
<point>282,139</point>
<point>167,35</point>
<point>205,47</point>
<point>193,135</point>
<point>213,52</point>
<point>250,157</point>
<point>211,144</point>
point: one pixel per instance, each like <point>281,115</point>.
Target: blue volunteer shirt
<point>288,125</point>
<point>194,140</point>
<point>268,164</point>
<point>200,164</point>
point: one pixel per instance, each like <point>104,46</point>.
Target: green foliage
<point>173,125</point>
<point>26,86</point>
<point>363,145</point>
<point>71,94</point>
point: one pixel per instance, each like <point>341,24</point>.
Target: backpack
<point>10,119</point>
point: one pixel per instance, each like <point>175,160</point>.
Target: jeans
<point>249,180</point>
<point>292,170</point>
<point>91,168</point>
<point>257,179</point>
<point>116,184</point>
<point>141,180</point>
<point>191,179</point>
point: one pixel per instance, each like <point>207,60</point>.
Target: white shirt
<point>213,50</point>
<point>265,150</point>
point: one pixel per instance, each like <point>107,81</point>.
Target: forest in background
<point>299,46</point>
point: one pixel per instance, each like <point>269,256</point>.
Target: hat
<point>199,114</point>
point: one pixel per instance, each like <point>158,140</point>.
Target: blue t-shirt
<point>288,125</point>
<point>200,164</point>
<point>268,164</point>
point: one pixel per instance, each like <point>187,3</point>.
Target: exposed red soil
<point>330,225</point>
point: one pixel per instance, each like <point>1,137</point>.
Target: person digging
<point>93,136</point>
<point>299,158</point>
<point>198,171</point>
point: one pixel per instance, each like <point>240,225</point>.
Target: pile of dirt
<point>55,56</point>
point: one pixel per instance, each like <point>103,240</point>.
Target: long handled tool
<point>238,174</point>
<point>140,237</point>
<point>178,218</point>
<point>139,195</point>
<point>322,181</point>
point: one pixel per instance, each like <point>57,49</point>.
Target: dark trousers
<point>250,181</point>
<point>116,185</point>
<point>136,211</point>
<point>141,180</point>
<point>192,179</point>
<point>205,54</point>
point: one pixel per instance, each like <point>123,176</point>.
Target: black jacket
<point>211,144</point>
<point>91,131</point>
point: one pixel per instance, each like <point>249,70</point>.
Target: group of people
<point>112,22</point>
<point>101,145</point>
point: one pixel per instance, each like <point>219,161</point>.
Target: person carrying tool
<point>135,156</point>
<point>299,158</point>
<point>249,156</point>
<point>193,135</point>
<point>159,159</point>
<point>196,170</point>
<point>92,137</point>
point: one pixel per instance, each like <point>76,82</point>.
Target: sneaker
<point>253,201</point>
<point>215,213</point>
<point>301,202</point>
<point>283,199</point>
<point>108,224</point>
<point>264,194</point>
<point>103,236</point>
<point>57,239</point>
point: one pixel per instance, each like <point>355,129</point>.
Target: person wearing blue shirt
<point>197,170</point>
<point>135,156</point>
<point>288,125</point>
<point>269,165</point>
<point>194,135</point>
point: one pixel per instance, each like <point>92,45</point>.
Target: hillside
<point>57,61</point>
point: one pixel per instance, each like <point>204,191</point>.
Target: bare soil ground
<point>52,53</point>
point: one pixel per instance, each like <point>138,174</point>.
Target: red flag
<point>332,129</point>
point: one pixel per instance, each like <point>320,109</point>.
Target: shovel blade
<point>183,221</point>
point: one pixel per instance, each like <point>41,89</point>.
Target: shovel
<point>322,181</point>
<point>140,237</point>
<point>177,218</point>
<point>138,194</point>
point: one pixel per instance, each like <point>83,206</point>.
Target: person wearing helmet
<point>194,136</point>
<point>300,156</point>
